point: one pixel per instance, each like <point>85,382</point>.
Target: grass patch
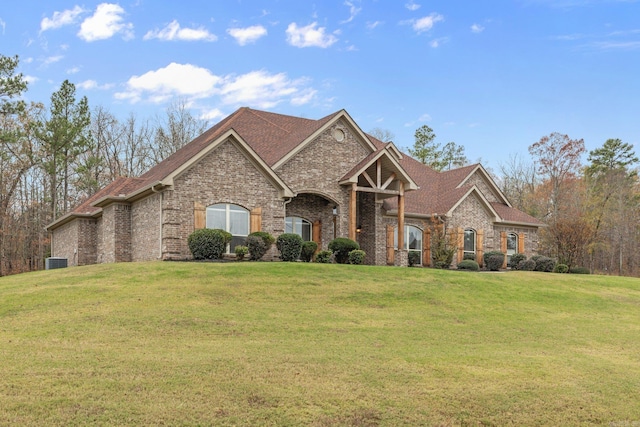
<point>321,345</point>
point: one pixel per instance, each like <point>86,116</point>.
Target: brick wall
<point>145,228</point>
<point>225,175</point>
<point>116,233</point>
<point>313,208</point>
<point>65,242</point>
<point>483,185</point>
<point>87,241</point>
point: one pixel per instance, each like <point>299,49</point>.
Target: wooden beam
<point>369,180</point>
<point>352,211</point>
<point>379,173</point>
<point>401,217</point>
<point>377,190</point>
<point>388,181</point>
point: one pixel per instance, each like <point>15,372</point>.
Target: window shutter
<point>199,216</point>
<point>317,234</point>
<point>479,246</point>
<point>426,247</point>
<point>390,251</point>
<point>503,247</point>
<point>255,223</point>
<point>520,243</point>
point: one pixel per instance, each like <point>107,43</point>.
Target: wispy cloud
<point>258,88</point>
<point>106,22</point>
<point>309,36</point>
<point>52,59</point>
<point>353,11</point>
<point>3,25</point>
<point>60,19</point>
<point>412,6</point>
<point>425,23</point>
<point>435,43</point>
<point>92,84</point>
<point>374,24</point>
<point>477,28</point>
<point>173,32</point>
<point>247,35</point>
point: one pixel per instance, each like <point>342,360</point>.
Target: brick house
<point>322,179</point>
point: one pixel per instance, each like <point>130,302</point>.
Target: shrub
<point>241,251</point>
<point>515,260</point>
<point>468,264</point>
<point>469,255</point>
<point>308,250</point>
<point>414,258</point>
<point>561,268</point>
<point>208,243</point>
<point>579,270</point>
<point>527,265</point>
<point>493,260</point>
<point>341,247</point>
<point>545,264</point>
<point>443,265</point>
<point>257,247</point>
<point>267,238</point>
<point>323,257</point>
<point>356,256</point>
<point>290,246</point>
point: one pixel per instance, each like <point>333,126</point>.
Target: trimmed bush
<point>515,260</point>
<point>257,247</point>
<point>414,258</point>
<point>341,248</point>
<point>290,246</point>
<point>241,251</point>
<point>442,265</point>
<point>468,264</point>
<point>527,265</point>
<point>356,257</point>
<point>469,255</point>
<point>579,270</point>
<point>266,237</point>
<point>493,260</point>
<point>561,268</point>
<point>208,243</point>
<point>545,264</point>
<point>308,250</point>
<point>323,257</point>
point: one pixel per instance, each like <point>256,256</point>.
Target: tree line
<point>55,155</point>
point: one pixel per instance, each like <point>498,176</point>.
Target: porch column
<point>401,217</point>
<point>352,212</point>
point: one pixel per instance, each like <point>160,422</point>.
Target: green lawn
<point>314,344</point>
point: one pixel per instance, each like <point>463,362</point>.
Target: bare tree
<point>175,130</point>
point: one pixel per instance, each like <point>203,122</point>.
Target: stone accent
<point>225,175</point>
<point>484,187</point>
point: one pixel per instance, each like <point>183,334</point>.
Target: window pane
<point>414,238</point>
<point>306,231</point>
<point>512,242</point>
<point>299,226</point>
<point>288,226</point>
<point>239,222</point>
<point>235,241</point>
<point>216,218</point>
<point>469,241</point>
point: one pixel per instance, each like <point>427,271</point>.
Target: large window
<point>299,226</point>
<point>512,245</point>
<point>231,218</point>
<point>412,239</point>
<point>469,242</point>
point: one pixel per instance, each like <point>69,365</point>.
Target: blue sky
<point>493,76</point>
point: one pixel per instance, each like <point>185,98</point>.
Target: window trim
<point>474,240</point>
<point>303,221</point>
<point>227,210</point>
<point>406,240</point>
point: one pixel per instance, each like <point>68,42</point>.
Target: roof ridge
<point>255,113</point>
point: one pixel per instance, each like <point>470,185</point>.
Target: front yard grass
<point>322,345</point>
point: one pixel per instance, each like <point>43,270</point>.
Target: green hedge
<point>341,247</point>
<point>208,243</point>
<point>290,246</point>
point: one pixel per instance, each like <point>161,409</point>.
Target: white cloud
<point>52,59</point>
<point>105,23</point>
<point>426,23</point>
<point>92,84</point>
<point>435,43</point>
<point>247,35</point>
<point>60,19</point>
<point>212,115</point>
<point>372,25</point>
<point>412,6</point>
<point>31,79</point>
<point>73,70</point>
<point>309,36</point>
<point>353,11</point>
<point>256,88</point>
<point>3,25</point>
<point>173,32</point>
<point>477,28</point>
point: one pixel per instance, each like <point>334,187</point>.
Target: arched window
<point>299,226</point>
<point>469,241</point>
<point>512,245</point>
<point>231,218</point>
<point>412,239</point>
